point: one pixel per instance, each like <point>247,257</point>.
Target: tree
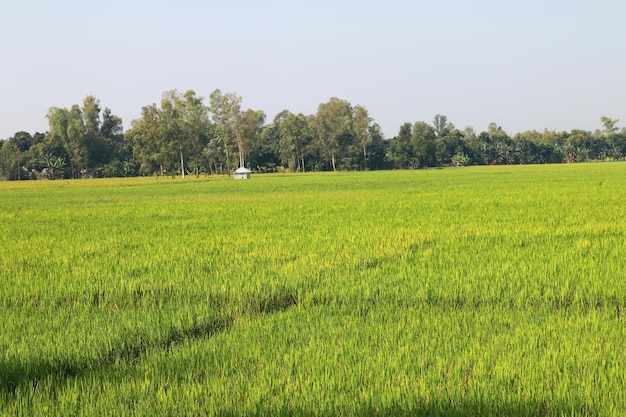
<point>75,144</point>
<point>424,148</point>
<point>500,148</point>
<point>119,159</point>
<point>67,128</point>
<point>442,126</point>
<point>17,156</point>
<point>452,144</point>
<point>482,148</point>
<point>248,130</point>
<point>146,138</point>
<point>102,134</point>
<point>96,148</point>
<point>166,137</point>
<point>609,125</point>
<point>6,158</point>
<point>496,132</point>
<point>234,126</point>
<point>52,165</point>
<point>526,150</point>
<point>197,125</point>
<point>264,154</point>
<point>332,121</point>
<point>22,141</point>
<point>401,148</point>
<point>226,112</point>
<point>295,136</point>
<point>377,148</point>
<point>449,141</point>
<point>172,130</point>
<point>88,139</point>
<point>361,125</point>
<point>614,140</point>
<point>504,149</point>
<point>111,126</point>
<point>460,159</point>
<point>471,144</point>
<point>288,133</point>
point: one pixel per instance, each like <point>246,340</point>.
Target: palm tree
<point>52,164</point>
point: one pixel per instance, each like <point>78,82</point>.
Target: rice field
<point>470,291</point>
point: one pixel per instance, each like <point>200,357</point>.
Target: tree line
<point>184,135</point>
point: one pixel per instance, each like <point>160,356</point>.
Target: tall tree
<point>609,125</point>
<point>145,135</point>
<point>496,132</point>
<point>75,144</point>
<point>377,154</point>
<point>424,148</point>
<point>100,149</point>
<point>295,136</point>
<point>67,127</point>
<point>93,140</point>
<point>166,137</point>
<point>172,129</point>
<point>248,130</point>
<point>442,126</point>
<point>58,121</point>
<point>233,125</point>
<point>288,131</point>
<point>7,154</point>
<point>197,126</point>
<point>86,136</point>
<point>401,149</point>
<point>264,154</point>
<point>22,141</point>
<point>120,150</point>
<point>361,125</point>
<point>226,112</point>
<point>332,121</point>
<point>615,142</point>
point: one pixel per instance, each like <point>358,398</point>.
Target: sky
<point>525,65</point>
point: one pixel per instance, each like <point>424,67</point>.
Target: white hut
<point>242,173</point>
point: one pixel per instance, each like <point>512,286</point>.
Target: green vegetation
<point>184,136</point>
<point>469,291</point>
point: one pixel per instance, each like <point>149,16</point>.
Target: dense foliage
<point>184,135</point>
<point>477,291</point>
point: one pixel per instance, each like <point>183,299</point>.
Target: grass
<point>473,291</point>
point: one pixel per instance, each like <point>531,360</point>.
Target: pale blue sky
<point>531,64</point>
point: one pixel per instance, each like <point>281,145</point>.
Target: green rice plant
<point>473,291</point>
